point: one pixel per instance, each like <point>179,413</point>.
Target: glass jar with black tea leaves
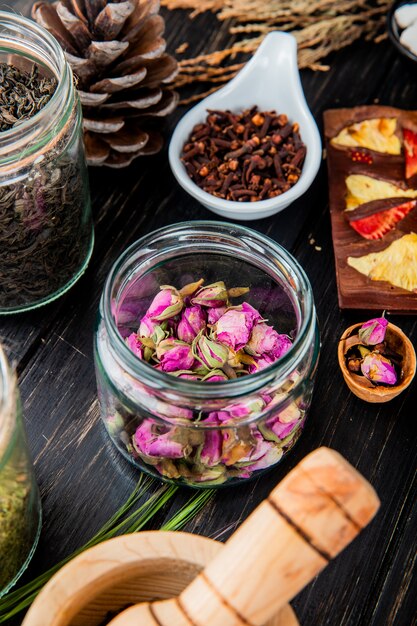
<point>20,509</point>
<point>46,233</point>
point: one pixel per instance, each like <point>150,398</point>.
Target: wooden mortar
<point>306,520</point>
<point>360,386</point>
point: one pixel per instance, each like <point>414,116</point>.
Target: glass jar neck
<point>23,144</point>
<point>157,248</point>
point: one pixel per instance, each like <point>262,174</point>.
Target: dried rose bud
<point>240,410</point>
<point>193,320</point>
<point>373,331</point>
<point>149,329</point>
<point>215,376</point>
<point>213,295</point>
<point>378,369</point>
<point>156,440</point>
<point>135,345</point>
<point>214,314</point>
<point>265,340</point>
<point>167,303</point>
<point>235,326</point>
<point>211,451</point>
<point>209,352</point>
<point>174,355</point>
<point>187,375</point>
<point>260,363</point>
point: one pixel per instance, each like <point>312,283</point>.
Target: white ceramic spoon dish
<point>270,80</point>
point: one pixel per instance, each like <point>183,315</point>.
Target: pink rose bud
<point>259,448</point>
<point>135,345</point>
<point>214,314</point>
<point>235,326</point>
<point>149,329</point>
<point>158,440</point>
<point>193,319</point>
<point>147,326</point>
<point>282,345</point>
<point>251,313</point>
<point>262,340</point>
<point>174,355</point>
<point>215,376</point>
<point>188,376</point>
<point>211,353</point>
<point>214,295</point>
<point>271,457</point>
<point>373,331</point>
<point>211,451</point>
<point>260,363</point>
<point>240,410</point>
<point>282,429</point>
<point>166,304</point>
<point>378,369</point>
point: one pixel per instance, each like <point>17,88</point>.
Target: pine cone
<point>117,53</point>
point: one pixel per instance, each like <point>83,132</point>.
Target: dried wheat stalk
<point>320,27</point>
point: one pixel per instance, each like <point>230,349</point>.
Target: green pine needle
<point>129,518</point>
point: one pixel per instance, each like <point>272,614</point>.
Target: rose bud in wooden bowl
<point>377,360</point>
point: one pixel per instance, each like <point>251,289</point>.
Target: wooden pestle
<point>315,512</point>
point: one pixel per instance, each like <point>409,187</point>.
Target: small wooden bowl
<point>103,581</point>
<point>359,385</point>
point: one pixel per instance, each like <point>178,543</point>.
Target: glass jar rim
<point>62,71</point>
<point>251,382</point>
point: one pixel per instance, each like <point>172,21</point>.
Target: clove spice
<point>245,157</point>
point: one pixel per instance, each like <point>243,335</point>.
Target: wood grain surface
<point>82,477</point>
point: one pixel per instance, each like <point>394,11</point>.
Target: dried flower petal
<point>166,304</point>
<point>215,313</point>
<point>373,331</point>
<point>260,363</point>
<point>156,440</point>
<point>215,376</point>
<point>235,326</point>
<point>174,355</point>
<point>147,327</point>
<point>135,345</point>
<point>378,369</point>
<point>213,295</point>
<point>211,451</point>
<point>193,320</point>
<point>211,353</point>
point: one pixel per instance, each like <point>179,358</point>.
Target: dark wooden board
<point>355,290</point>
<point>83,479</point>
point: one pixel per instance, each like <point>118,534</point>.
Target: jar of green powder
<point>20,508</point>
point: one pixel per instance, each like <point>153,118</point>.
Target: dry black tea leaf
<point>22,94</point>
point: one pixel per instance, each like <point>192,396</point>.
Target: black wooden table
<point>83,479</point>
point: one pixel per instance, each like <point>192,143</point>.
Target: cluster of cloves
<point>368,354</point>
<point>246,156</point>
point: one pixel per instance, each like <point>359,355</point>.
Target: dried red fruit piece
<point>377,225</point>
<point>410,146</point>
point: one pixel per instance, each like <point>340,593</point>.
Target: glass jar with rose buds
<point>206,350</point>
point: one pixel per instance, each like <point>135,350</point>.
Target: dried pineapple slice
<point>397,264</point>
<point>377,134</point>
<point>361,189</point>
